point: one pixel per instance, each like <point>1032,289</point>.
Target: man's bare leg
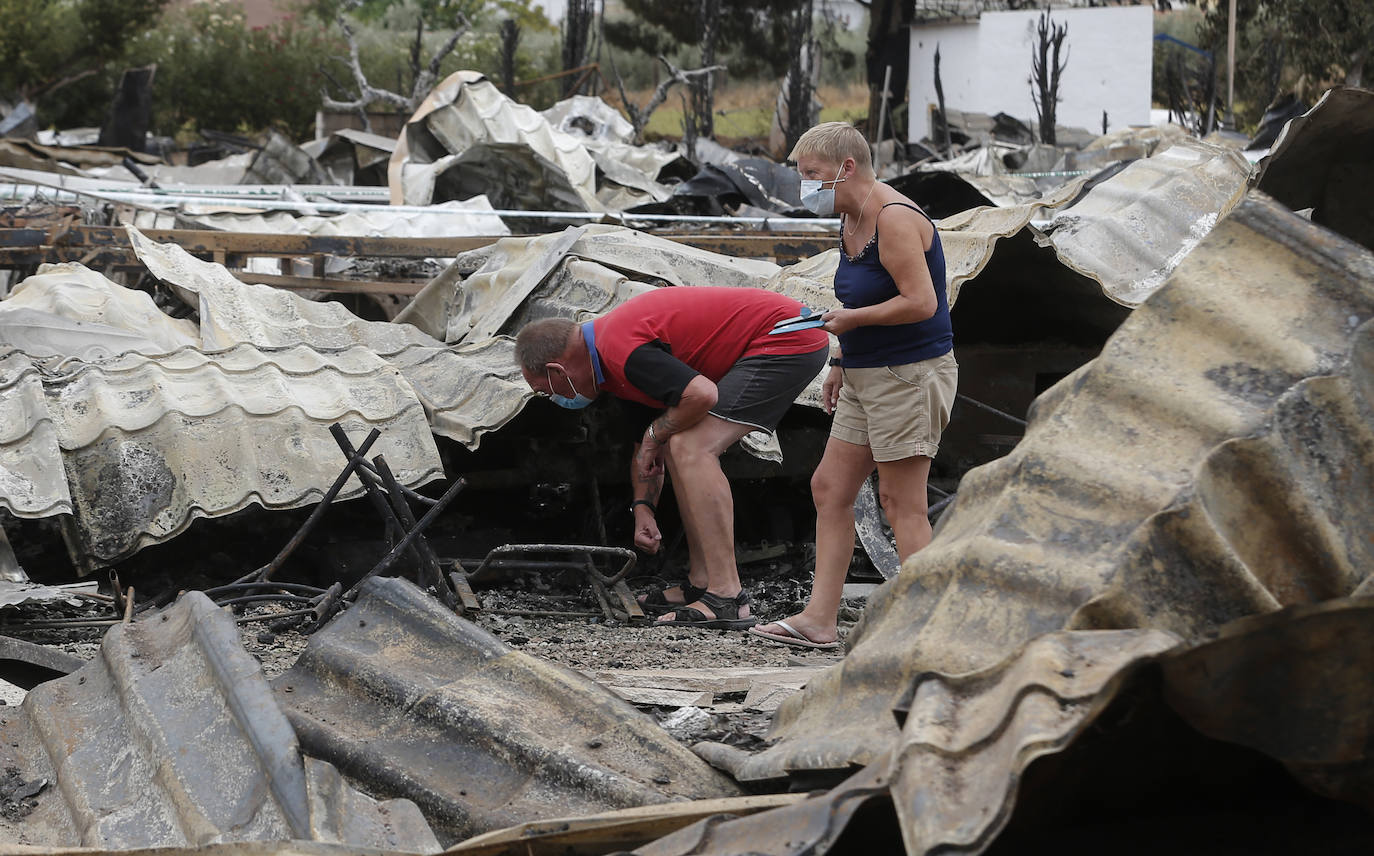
<point>834,487</point>
<point>706,505</point>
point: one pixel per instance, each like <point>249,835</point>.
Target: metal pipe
<point>428,562</point>
<point>300,588</point>
<point>151,200</point>
<point>990,409</point>
<point>260,598</point>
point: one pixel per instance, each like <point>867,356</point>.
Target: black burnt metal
<point>388,497</point>
<point>408,541</point>
<point>612,594</point>
<point>429,571</point>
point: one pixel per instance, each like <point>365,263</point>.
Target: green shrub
<point>215,73</point>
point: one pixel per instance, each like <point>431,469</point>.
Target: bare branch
<point>422,79</point>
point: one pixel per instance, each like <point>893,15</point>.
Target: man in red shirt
<point>710,358</point>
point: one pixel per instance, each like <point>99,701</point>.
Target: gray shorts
<point>758,390</point>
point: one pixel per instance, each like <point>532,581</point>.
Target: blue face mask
<point>577,402</point>
<point>817,201</point>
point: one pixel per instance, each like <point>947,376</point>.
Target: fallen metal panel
<point>233,313</point>
<point>102,318</point>
<point>466,392</point>
<point>1296,686</point>
<point>471,308</point>
<point>812,826</point>
<point>969,238</point>
<point>32,480</point>
<point>151,443</point>
<point>968,738</point>
<point>612,831</point>
<point>411,700</point>
<point>1323,161</point>
<point>1215,461</point>
<point>467,109</point>
<point>171,737</point>
<point>442,220</point>
<point>1132,230</point>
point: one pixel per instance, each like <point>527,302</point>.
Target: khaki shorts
<point>897,411</point>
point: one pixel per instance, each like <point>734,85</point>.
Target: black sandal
<point>657,603</point>
<point>726,610</point>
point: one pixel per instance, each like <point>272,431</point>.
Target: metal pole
<point>1231,67</point>
<point>882,113</point>
<point>409,539</point>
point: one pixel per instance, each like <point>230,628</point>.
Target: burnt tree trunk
<point>704,88</point>
<point>1046,68</point>
<point>510,42</point>
<point>889,43</point>
<point>577,25</point>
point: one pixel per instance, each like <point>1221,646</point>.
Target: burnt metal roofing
<point>1130,232</point>
<point>1215,461</point>
<point>1324,160</point>
<point>411,700</point>
<point>1293,685</point>
<point>171,737</point>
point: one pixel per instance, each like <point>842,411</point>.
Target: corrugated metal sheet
<point>119,319</point>
<point>970,237</point>
<point>171,737</point>
<point>454,217</point>
<point>1132,230</point>
<point>1216,461</point>
<point>411,700</point>
<point>1293,685</point>
<point>467,110</point>
<point>32,480</point>
<point>466,391</point>
<point>968,738</point>
<point>136,446</point>
<point>234,313</point>
<point>481,304</point>
<point>151,443</point>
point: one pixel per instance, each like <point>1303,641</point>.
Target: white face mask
<point>817,201</point>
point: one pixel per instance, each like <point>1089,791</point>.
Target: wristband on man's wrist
<point>835,361</point>
<point>652,508</point>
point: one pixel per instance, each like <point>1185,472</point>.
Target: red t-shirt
<point>707,329</point>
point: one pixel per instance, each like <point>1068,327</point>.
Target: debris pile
<point>1153,516</point>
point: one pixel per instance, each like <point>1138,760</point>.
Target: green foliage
<point>1281,45</point>
<point>754,34</point>
<point>1182,24</point>
<point>213,72</point>
<point>437,14</point>
<point>44,43</point>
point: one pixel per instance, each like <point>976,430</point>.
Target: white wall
<point>985,67</point>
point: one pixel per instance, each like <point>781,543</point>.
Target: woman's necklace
<point>859,222</point>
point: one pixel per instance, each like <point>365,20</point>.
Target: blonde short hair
<point>832,142</point>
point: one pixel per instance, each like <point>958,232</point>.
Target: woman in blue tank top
<point>892,381</point>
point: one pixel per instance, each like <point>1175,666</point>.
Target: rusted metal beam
<point>206,243</point>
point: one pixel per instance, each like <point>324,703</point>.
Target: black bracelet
<point>652,508</point>
<point>835,361</point>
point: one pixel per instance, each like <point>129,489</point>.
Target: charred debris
<point>294,562</point>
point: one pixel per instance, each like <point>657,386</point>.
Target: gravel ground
<point>587,643</point>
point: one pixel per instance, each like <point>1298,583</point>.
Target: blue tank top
<point>863,281</point>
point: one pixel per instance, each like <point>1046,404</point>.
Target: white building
<point>985,66</point>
